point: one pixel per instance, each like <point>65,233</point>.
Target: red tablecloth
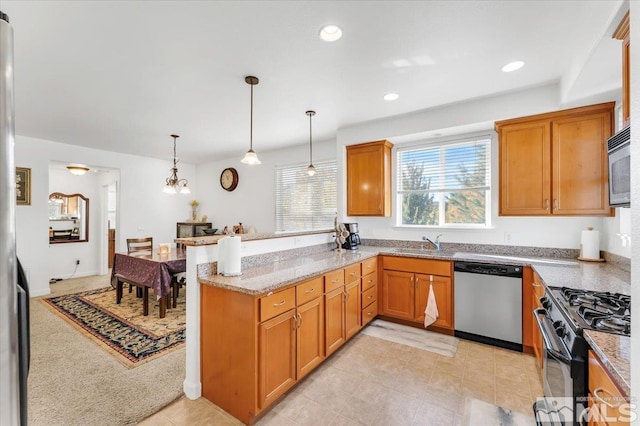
<point>155,271</point>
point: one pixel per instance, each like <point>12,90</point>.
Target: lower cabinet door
<point>334,318</point>
<point>277,352</point>
<point>443,294</point>
<point>398,294</point>
<point>310,336</point>
<point>353,311</point>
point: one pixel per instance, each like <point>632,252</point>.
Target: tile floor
<point>376,382</point>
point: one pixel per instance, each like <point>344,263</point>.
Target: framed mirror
<point>68,218</point>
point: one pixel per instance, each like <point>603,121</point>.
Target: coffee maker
<point>353,240</point>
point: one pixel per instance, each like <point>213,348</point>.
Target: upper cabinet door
<point>556,163</point>
<point>525,169</point>
<point>369,179</point>
<point>580,170</point>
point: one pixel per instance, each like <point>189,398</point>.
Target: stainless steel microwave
<point>618,148</point>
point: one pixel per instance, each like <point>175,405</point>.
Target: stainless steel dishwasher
<point>488,303</point>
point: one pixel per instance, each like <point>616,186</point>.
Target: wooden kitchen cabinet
<point>405,289</point>
<point>605,398</point>
<point>254,348</point>
<point>398,294</point>
<point>334,305</point>
<point>532,291</point>
<point>442,290</point>
<point>310,336</point>
<point>622,33</point>
<point>369,179</point>
<point>277,357</point>
<point>369,291</point>
<point>555,163</point>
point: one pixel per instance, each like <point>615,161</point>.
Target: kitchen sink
<point>539,260</point>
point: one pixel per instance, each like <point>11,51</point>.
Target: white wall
<point>144,209</point>
<point>253,201</point>
<point>558,232</point>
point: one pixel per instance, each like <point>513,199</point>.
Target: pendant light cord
<point>251,122</point>
<point>310,144</point>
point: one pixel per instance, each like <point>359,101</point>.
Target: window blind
<point>444,184</point>
<point>303,202</point>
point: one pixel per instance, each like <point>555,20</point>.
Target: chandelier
<point>173,183</point>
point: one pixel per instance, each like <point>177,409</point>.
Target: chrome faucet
<point>435,243</point>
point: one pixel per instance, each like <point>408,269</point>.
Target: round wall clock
<point>229,179</point>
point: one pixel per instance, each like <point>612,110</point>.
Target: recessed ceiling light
<point>512,66</point>
<point>391,96</point>
<point>330,32</point>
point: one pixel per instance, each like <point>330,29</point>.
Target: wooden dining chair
<point>140,245</point>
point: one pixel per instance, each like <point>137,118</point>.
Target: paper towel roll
<point>222,254</point>
<point>233,264</point>
<point>590,244</point>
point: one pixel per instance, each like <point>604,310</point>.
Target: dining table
<point>149,270</point>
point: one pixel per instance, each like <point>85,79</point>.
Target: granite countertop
<point>207,240</point>
<point>262,279</point>
<point>615,353</point>
<point>612,349</point>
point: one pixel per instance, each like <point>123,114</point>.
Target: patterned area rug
<point>122,330</point>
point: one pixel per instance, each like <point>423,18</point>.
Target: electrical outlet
<point>507,237</point>
<point>77,261</point>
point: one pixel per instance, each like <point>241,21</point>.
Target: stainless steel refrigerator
<point>14,293</point>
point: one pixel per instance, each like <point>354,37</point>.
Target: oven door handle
<point>547,340</point>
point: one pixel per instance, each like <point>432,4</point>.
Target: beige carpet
<point>74,382</point>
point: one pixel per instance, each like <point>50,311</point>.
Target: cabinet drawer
<point>369,313</point>
<point>369,281</point>
<point>333,280</point>
<point>369,296</point>
<point>420,266</point>
<point>369,265</point>
<point>352,273</point>
<point>277,303</point>
<point>309,290</point>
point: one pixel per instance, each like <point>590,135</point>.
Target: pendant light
<point>250,157</point>
<point>310,170</point>
<point>173,183</point>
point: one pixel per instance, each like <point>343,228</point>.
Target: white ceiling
<point>124,75</point>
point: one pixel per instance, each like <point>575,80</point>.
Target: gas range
<point>566,313</point>
<point>592,310</point>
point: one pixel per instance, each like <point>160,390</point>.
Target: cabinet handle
<point>335,281</point>
<point>269,294</point>
<point>369,313</point>
<point>299,320</point>
<point>352,273</point>
<point>555,204</point>
<point>279,304</point>
<point>310,291</point>
<point>546,201</point>
<point>346,295</point>
<point>295,321</point>
<point>370,297</point>
<point>535,284</point>
<point>370,281</point>
<point>603,401</point>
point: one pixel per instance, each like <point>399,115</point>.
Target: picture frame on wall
<point>23,186</point>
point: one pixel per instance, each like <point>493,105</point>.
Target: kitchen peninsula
<point>245,312</point>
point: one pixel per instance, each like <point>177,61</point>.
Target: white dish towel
<point>431,311</point>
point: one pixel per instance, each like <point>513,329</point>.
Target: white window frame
<point>302,168</point>
<point>443,142</point>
